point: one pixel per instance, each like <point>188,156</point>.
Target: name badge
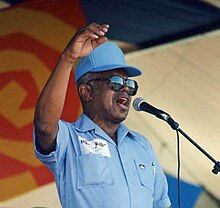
<point>95,146</point>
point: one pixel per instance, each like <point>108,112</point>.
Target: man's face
<point>108,105</point>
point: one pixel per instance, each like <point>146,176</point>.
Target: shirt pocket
<point>93,170</point>
<point>146,173</point>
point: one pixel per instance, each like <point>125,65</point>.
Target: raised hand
<point>86,39</point>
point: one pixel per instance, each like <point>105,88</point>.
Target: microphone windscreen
<point>137,102</point>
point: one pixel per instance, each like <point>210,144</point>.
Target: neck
<point>110,128</point>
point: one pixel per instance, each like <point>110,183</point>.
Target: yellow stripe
<point>39,25</point>
<point>19,150</point>
<point>11,60</point>
<point>15,185</point>
<point>9,107</point>
<point>11,97</point>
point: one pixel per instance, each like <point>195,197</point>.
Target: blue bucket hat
<point>105,57</point>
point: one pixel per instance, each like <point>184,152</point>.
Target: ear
<point>85,92</point>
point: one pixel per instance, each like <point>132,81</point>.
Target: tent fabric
<point>152,22</point>
<point>148,22</point>
<point>189,193</point>
<point>32,36</point>
<point>182,79</point>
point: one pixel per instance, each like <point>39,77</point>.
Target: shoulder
<point>66,124</point>
<point>65,127</point>
<point>142,140</point>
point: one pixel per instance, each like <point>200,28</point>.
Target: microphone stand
<point>175,126</point>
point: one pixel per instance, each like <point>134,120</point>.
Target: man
<point>97,161</point>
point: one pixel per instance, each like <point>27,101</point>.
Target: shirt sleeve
<point>54,160</point>
<point>161,198</point>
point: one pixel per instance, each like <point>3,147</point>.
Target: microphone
<point>140,105</point>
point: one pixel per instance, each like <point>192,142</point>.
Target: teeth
<point>122,100</point>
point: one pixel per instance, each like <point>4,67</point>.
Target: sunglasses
<point>116,83</point>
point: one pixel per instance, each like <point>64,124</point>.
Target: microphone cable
<point>178,169</point>
<point>140,105</point>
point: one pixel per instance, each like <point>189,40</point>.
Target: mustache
<point>122,94</point>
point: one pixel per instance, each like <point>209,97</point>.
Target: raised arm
<point>51,101</point>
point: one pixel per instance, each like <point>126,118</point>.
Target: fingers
<point>102,29</point>
<point>94,31</point>
<point>99,41</point>
<point>86,39</point>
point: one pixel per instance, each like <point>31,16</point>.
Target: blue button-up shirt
<point>91,171</point>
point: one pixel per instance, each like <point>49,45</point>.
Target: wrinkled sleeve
<point>54,160</point>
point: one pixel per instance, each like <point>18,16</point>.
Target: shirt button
<point>142,167</point>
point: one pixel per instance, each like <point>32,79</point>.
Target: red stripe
<point>24,42</point>
<point>69,11</point>
<point>10,167</point>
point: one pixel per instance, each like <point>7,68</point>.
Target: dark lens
<point>116,83</point>
<point>132,86</point>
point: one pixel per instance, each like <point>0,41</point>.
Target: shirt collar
<point>123,131</point>
<point>84,124</point>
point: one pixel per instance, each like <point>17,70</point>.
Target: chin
<point>117,116</point>
<point>120,118</point>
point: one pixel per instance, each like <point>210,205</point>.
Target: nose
<point>124,88</point>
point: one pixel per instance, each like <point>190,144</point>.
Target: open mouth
<point>123,102</point>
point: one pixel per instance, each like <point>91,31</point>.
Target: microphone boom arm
<point>175,126</point>
<point>140,105</point>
